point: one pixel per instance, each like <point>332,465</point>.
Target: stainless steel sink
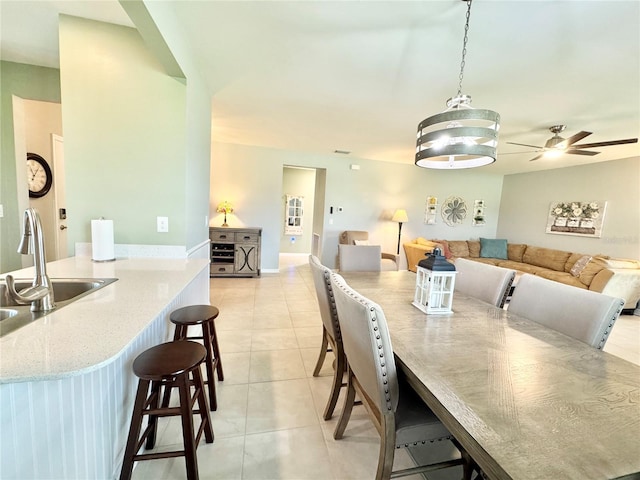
<point>7,313</point>
<point>65,290</point>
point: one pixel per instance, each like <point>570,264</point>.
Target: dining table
<point>525,401</point>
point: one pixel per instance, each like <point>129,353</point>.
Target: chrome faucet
<point>40,294</point>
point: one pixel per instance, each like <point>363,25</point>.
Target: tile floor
<point>269,421</point>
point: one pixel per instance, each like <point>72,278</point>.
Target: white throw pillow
<point>361,242</point>
<point>580,265</point>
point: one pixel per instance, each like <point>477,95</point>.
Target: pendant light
<point>461,136</point>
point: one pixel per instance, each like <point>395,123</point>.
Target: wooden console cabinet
<point>235,252</point>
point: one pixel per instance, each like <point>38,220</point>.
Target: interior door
<point>57,144</point>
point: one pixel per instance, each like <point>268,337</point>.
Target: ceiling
<point>318,76</point>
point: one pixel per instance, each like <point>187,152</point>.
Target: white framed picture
<point>583,218</point>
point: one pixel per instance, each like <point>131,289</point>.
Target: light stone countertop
<point>95,329</point>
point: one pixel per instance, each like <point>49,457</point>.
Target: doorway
<point>307,186</point>
<point>38,129</point>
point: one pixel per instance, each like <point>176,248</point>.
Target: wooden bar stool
<point>170,365</point>
<point>203,315</point>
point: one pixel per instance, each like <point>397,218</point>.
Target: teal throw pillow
<point>493,248</point>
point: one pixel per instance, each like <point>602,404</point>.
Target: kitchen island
<point>66,385</point>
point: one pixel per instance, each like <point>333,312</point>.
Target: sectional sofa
<point>599,273</point>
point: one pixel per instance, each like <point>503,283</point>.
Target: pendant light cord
<point>464,46</point>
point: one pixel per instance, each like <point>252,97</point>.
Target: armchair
<point>355,256</point>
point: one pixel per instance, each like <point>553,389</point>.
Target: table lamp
<point>225,207</point>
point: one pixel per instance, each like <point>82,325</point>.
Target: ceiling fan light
<point>555,153</point>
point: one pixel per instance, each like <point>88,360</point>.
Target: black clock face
<point>39,177</point>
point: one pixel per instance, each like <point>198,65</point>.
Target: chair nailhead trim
<point>363,301</point>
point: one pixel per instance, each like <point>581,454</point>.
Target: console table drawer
<point>247,237</point>
<point>222,236</point>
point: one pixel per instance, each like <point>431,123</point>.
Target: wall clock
<point>39,176</point>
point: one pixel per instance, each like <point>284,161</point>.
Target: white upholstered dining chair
<point>331,340</point>
<point>359,254</point>
<point>360,258</point>
<point>398,413</point>
<point>485,282</point>
<point>582,314</point>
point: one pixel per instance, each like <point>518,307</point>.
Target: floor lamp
<point>400,216</point>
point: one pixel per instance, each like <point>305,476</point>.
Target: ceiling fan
<point>558,145</point>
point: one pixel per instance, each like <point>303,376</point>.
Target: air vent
<point>342,152</point>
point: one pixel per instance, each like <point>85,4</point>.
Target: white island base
<point>66,384</point>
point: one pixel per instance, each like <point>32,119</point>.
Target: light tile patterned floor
<point>269,420</point>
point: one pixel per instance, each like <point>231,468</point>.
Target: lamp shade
<point>400,216</point>
<point>224,207</point>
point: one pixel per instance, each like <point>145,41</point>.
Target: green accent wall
<point>124,128</point>
<point>33,83</point>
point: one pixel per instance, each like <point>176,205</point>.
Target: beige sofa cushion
<point>522,267</point>
<point>488,261</point>
<point>562,277</point>
<point>546,257</point>
<point>474,248</point>
<point>515,251</point>
<point>458,248</point>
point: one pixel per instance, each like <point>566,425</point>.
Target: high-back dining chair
<point>582,314</point>
<point>485,282</point>
<point>363,259</point>
<point>360,258</point>
<point>398,413</point>
<point>331,339</point>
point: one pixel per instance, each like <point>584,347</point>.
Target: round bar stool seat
<point>170,365</point>
<point>203,315</point>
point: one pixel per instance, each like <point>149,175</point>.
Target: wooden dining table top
<point>525,401</point>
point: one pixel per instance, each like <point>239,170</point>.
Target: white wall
<point>526,200</point>
<point>251,179</point>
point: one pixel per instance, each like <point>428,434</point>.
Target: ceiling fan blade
<point>581,152</point>
<point>575,138</point>
<point>525,145</point>
<point>519,153</point>
<point>536,158</point>
<point>606,144</point>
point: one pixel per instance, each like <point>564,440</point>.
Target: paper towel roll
<point>102,247</point>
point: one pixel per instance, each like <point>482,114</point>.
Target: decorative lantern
<point>435,281</point>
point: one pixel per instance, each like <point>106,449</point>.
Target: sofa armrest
<point>618,282</point>
<point>415,252</point>
<point>392,256</point>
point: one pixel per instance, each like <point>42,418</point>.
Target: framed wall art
<point>454,211</point>
<point>293,215</point>
<point>583,218</point>
<point>431,210</point>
